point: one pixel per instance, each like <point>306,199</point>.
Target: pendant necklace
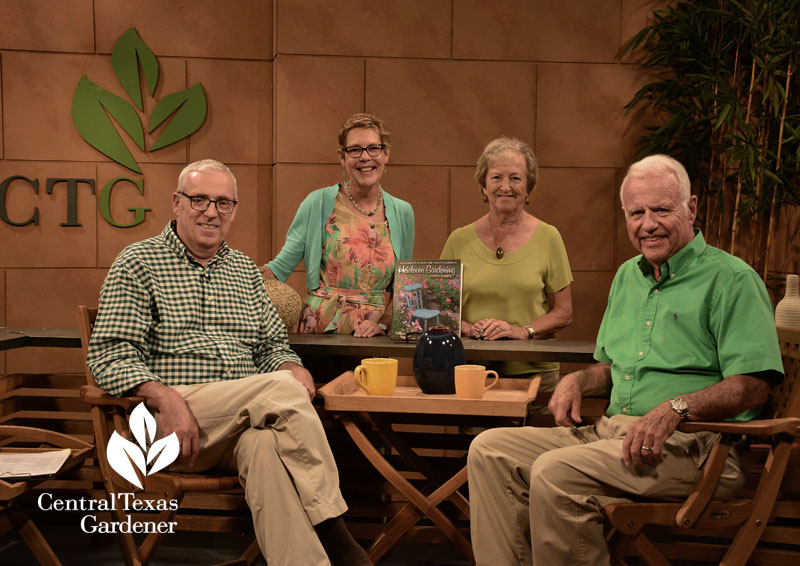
<point>355,204</point>
<point>500,251</point>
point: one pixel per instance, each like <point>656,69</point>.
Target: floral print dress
<point>357,268</point>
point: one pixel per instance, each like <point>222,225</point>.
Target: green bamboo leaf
<point>190,105</point>
<point>722,115</point>
<point>128,53</point>
<point>89,106</point>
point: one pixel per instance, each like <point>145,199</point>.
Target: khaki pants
<point>536,494</point>
<point>265,427</point>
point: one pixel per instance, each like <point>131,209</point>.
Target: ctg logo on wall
<point>92,105</point>
<point>130,460</point>
<point>179,114</point>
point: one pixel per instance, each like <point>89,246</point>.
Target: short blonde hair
<point>363,120</point>
<point>500,145</point>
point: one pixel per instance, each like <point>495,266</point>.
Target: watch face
<point>679,405</point>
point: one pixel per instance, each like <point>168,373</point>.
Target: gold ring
<point>647,448</point>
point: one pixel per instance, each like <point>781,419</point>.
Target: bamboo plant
<point>726,92</point>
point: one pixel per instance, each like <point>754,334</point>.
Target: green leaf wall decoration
<point>191,112</point>
<point>128,52</point>
<point>92,105</point>
<point>89,105</point>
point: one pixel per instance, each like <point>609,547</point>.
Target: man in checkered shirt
<point>185,322</point>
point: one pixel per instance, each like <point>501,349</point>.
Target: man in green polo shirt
<point>688,334</point>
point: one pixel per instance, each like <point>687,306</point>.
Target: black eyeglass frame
<point>208,203</point>
<point>351,149</point>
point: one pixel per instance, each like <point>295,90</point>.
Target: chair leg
<point>252,553</point>
<point>153,540</point>
<point>617,544</point>
<point>247,558</point>
<point>32,536</point>
<point>647,550</point>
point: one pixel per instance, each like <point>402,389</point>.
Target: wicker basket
<point>286,301</point>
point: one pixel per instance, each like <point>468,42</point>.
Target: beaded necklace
<point>355,204</point>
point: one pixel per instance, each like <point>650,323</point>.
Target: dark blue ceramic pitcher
<point>439,350</point>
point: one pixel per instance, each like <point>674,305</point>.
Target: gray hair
<point>660,163</point>
<point>502,144</point>
<point>205,165</point>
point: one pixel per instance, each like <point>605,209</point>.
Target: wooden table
<point>344,399</point>
<point>10,339</point>
<point>39,337</point>
<point>340,345</point>
<point>476,350</point>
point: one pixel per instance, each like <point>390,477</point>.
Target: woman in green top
<point>349,236</point>
<point>516,272</point>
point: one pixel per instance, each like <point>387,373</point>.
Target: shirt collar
<point>680,260</point>
<point>173,242</point>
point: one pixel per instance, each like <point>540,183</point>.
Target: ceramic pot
<point>787,311</point>
<point>439,350</point>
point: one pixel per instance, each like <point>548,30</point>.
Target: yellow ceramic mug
<point>471,381</point>
<point>377,376</point>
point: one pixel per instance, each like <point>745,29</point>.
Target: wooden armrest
<point>790,425</point>
<point>98,398</point>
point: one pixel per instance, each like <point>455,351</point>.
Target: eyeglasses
<point>355,151</point>
<point>201,203</point>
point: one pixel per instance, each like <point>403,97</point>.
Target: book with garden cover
<point>427,293</point>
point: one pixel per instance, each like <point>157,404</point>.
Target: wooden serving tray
<point>509,398</point>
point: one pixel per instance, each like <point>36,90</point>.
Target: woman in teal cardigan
<point>349,235</point>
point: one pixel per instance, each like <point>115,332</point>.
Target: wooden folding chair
<point>743,518</point>
<point>23,440</point>
<point>110,414</point>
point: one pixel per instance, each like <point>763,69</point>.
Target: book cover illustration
<point>427,293</point>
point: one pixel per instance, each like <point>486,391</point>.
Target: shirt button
<point>656,291</point>
<point>228,373</point>
<point>672,276</point>
<point>627,378</point>
<point>624,409</point>
<point>641,353</point>
<point>648,323</point>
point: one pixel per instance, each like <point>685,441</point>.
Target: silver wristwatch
<point>383,327</point>
<point>531,331</point>
<point>680,407</point>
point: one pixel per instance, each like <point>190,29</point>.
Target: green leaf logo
<point>93,107</point>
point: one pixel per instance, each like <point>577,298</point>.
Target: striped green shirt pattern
<point>163,316</point>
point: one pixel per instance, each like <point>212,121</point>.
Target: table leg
<point>410,458</point>
<point>415,497</point>
<point>406,453</point>
<point>408,516</point>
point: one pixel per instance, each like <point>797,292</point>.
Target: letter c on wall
<point>34,219</point>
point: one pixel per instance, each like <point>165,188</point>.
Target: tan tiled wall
<point>280,77</point>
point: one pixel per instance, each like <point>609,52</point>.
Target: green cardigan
<point>304,239</point>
